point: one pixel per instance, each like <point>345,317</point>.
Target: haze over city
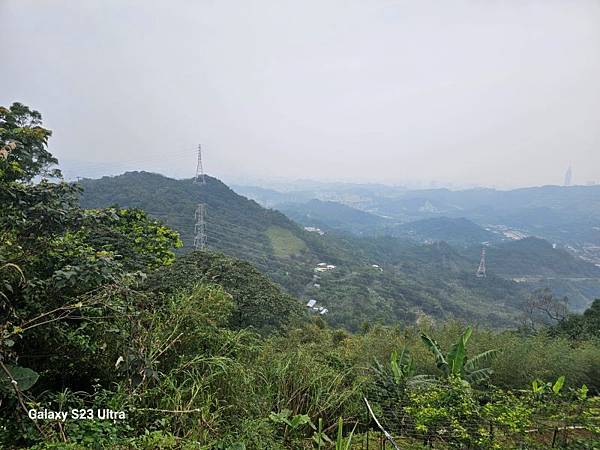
<point>462,93</point>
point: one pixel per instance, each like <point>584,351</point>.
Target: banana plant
<point>539,387</point>
<point>456,363</point>
<point>403,365</point>
<point>401,371</point>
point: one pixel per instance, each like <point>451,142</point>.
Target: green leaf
<point>466,335</point>
<point>479,375</point>
<point>24,377</point>
<point>340,434</point>
<point>299,420</point>
<point>482,358</point>
<point>458,354</point>
<point>557,386</point>
<point>237,446</point>
<point>395,367</point>
<point>434,348</point>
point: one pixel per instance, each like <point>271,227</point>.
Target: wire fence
<point>395,429</point>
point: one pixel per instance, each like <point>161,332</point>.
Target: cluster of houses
<point>312,304</point>
<point>324,267</point>
<point>314,230</point>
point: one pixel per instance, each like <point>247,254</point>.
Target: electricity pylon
<point>200,227</point>
<point>199,169</point>
<point>481,269</point>
<point>200,213</point>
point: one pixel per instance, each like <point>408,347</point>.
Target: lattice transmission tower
<point>199,169</point>
<point>200,227</point>
<point>200,213</point>
<point>481,270</point>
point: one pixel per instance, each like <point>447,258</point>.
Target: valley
<point>426,266</point>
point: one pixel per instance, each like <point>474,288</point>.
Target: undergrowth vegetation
<point>202,351</point>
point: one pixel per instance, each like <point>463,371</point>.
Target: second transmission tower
<point>481,269</point>
<point>200,213</point>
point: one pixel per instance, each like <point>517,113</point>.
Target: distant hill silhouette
<point>332,215</point>
<point>412,281</point>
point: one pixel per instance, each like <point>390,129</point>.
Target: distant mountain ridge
<point>534,257</point>
<point>380,279</point>
<point>457,231</point>
<point>332,215</point>
<point>536,263</point>
<point>337,216</point>
<point>557,213</point>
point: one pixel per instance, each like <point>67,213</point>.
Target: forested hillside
<point>111,339</point>
<point>534,257</point>
<point>337,216</point>
<point>459,231</point>
<point>333,216</point>
<point>237,226</point>
<point>258,303</point>
<point>536,264</point>
<point>533,262</point>
<point>413,280</point>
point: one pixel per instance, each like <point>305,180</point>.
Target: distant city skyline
<point>73,170</point>
<point>278,183</point>
<point>465,93</point>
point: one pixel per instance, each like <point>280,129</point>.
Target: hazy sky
<point>486,92</point>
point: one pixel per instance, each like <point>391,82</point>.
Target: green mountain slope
<point>456,231</point>
<point>412,280</point>
<point>258,302</point>
<point>333,216</point>
<point>236,226</point>
<point>535,264</point>
<point>415,281</point>
<point>534,257</point>
<point>329,215</point>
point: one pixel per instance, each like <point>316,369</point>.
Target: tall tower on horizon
<point>568,176</point>
<point>199,168</point>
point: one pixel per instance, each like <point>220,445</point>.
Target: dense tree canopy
<point>203,351</point>
<point>23,145</point>
<point>258,302</point>
<point>58,261</point>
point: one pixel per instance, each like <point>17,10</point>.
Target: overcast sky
<point>495,93</point>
